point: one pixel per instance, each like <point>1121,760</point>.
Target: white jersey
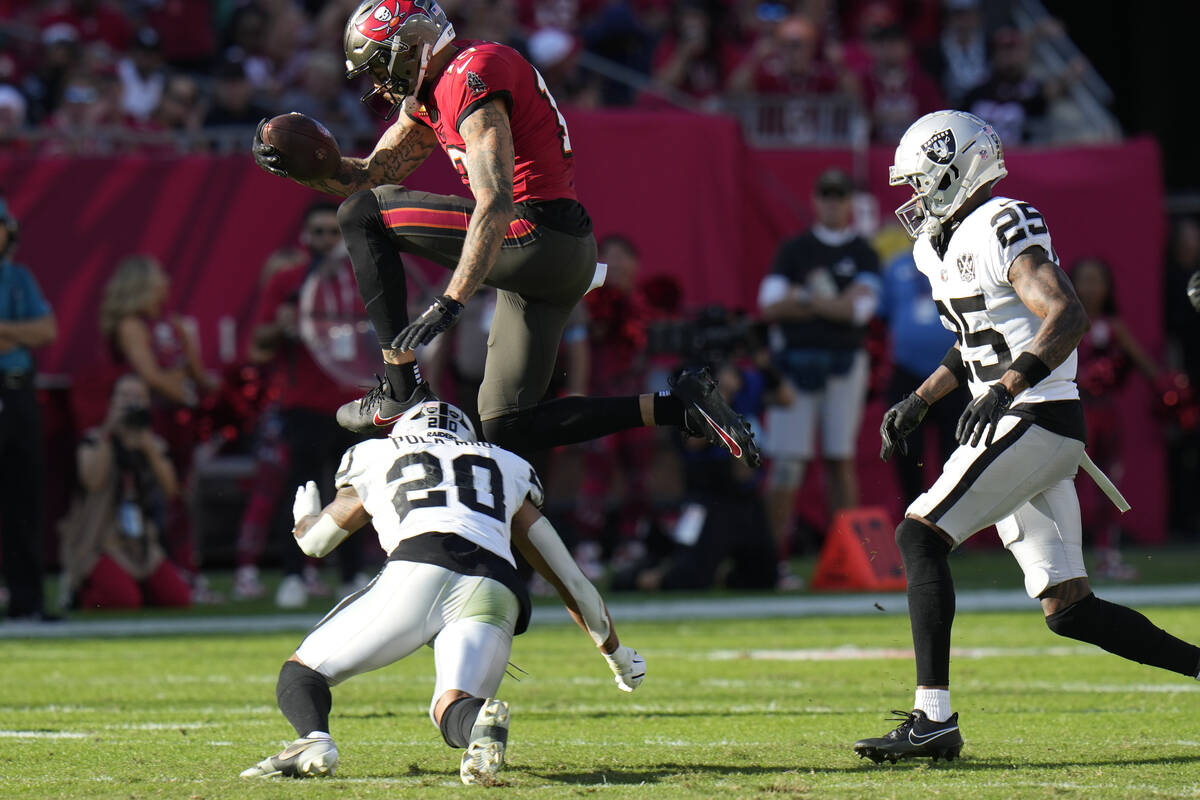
<point>977,302</point>
<point>411,485</point>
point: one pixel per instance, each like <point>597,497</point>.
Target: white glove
<point>308,502</point>
<point>628,667</point>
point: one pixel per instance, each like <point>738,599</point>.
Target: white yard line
<point>661,610</point>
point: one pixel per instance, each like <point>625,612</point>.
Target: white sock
<point>935,703</point>
<point>318,735</point>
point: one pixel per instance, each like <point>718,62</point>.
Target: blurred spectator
<point>721,536</point>
<point>246,43</point>
<point>1012,100</point>
<point>917,342</point>
<point>186,27</point>
<point>959,58</point>
<point>323,96</point>
<point>93,20</point>
<point>233,100</point>
<point>162,351</point>
<point>555,54</point>
<point>307,397</point>
<point>165,353</point>
<point>822,291</point>
<point>181,108</point>
<point>788,62</point>
<point>895,92</point>
<point>1183,332</point>
<point>89,120</point>
<point>44,84</point>
<point>26,323</point>
<point>12,116</point>
<point>493,21</point>
<point>619,33</point>
<point>693,57</point>
<point>110,544</point>
<point>612,494</point>
<point>1106,354</point>
<point>143,75</point>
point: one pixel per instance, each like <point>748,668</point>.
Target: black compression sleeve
<point>953,362</point>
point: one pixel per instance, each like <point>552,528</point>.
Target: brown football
<point>306,147</point>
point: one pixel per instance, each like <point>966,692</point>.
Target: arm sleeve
<point>772,289</point>
<point>591,606</point>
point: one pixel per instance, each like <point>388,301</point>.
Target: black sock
<point>458,719</point>
<point>402,378</point>
<point>1124,632</point>
<point>930,599</point>
<point>378,268</point>
<point>668,409</point>
<point>304,698</point>
<point>567,420</point>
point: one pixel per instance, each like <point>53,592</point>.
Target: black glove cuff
<point>1002,394</point>
<point>448,304</point>
<point>953,362</point>
<point>921,402</point>
<point>1031,368</point>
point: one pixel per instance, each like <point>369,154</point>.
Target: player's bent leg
<point>1118,629</point>
<point>304,698</point>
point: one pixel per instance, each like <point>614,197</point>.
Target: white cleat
<point>485,753</point>
<point>303,758</point>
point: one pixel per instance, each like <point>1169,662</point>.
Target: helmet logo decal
<point>966,267</point>
<point>941,147</point>
<point>383,21</point>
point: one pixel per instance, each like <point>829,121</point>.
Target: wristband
<point>953,362</point>
<point>1030,367</point>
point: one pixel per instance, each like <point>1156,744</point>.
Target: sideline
<point>666,610</point>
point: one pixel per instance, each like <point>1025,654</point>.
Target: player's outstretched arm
<point>319,530</point>
<point>537,540</point>
<point>1046,291</point>
<point>403,147</point>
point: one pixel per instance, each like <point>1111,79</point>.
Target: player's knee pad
<point>786,473</point>
<point>923,551</point>
<point>1084,620</point>
<point>457,720</point>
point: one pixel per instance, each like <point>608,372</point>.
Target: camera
<point>136,417</point>
<point>712,334</point>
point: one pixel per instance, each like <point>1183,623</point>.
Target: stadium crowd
<point>645,508</point>
<point>110,76</point>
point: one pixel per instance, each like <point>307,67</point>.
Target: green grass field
<point>734,709</point>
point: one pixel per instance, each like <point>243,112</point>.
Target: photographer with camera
<point>110,539</point>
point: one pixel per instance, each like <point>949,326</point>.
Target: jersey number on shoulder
<point>960,307</point>
<point>1016,222</point>
<point>562,123</point>
<point>420,492</point>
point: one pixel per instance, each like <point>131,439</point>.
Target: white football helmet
<point>437,419</point>
<point>945,157</point>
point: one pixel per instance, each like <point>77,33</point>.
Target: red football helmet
<point>394,40</point>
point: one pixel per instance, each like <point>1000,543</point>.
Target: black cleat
<point>915,737</point>
<point>378,409</point>
<point>706,415</point>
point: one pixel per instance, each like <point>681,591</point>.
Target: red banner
<point>698,203</point>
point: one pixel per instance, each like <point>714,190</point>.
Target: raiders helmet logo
<point>941,147</point>
<point>966,267</point>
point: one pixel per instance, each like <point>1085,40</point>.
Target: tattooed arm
<point>490,161</point>
<point>318,534</point>
<point>401,149</point>
<point>1046,291</point>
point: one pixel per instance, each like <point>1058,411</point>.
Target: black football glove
<point>1193,290</point>
<point>899,421</point>
<point>265,155</point>
<point>439,317</point>
<point>983,414</point>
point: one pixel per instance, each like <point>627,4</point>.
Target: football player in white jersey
<point>446,509</point>
<point>997,284</point>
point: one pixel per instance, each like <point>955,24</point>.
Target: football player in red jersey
<point>524,232</point>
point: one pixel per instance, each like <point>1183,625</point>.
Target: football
<point>306,147</point>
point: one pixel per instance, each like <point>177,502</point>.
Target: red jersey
<point>542,147</point>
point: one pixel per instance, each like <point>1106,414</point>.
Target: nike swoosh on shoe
<point>725,437</point>
<point>919,739</point>
<point>381,421</point>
